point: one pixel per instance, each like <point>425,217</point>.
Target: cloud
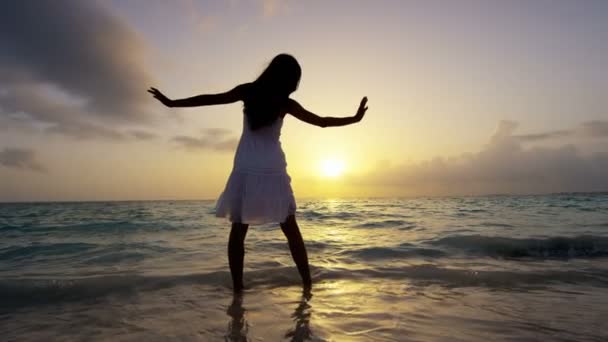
<point>71,65</point>
<point>18,158</point>
<point>83,130</point>
<point>143,135</point>
<point>544,136</point>
<point>212,139</point>
<point>595,129</point>
<point>589,129</point>
<point>504,165</point>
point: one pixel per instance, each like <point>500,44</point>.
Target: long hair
<point>268,94</point>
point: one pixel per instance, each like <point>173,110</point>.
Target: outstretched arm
<point>231,96</point>
<point>299,112</point>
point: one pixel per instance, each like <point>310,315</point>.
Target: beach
<point>498,268</point>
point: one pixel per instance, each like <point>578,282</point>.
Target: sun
<point>332,168</point>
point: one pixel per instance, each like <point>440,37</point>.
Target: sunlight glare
<point>332,168</point>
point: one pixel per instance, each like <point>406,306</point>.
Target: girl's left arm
<point>295,109</point>
<point>234,95</point>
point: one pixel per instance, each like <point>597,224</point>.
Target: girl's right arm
<point>299,112</point>
<point>234,95</point>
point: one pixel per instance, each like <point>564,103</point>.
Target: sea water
<point>423,269</point>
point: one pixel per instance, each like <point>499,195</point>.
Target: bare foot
<point>307,292</point>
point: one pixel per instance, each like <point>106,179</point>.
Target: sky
<point>466,97</point>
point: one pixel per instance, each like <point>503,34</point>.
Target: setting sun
<point>332,167</point>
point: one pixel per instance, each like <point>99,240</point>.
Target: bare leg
<point>298,250</point>
<point>236,254</point>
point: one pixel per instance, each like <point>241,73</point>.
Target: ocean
<point>488,268</point>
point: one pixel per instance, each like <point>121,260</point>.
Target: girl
<point>259,188</point>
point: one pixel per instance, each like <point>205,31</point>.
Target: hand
<point>362,109</point>
<point>160,97</point>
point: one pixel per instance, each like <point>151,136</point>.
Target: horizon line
<point>599,192</point>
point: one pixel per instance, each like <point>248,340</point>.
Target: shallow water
<point>425,269</point>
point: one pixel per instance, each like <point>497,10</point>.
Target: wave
<point>16,293</point>
<point>100,227</point>
<point>583,246</point>
<point>7,227</point>
<point>91,228</point>
<point>316,215</point>
<point>86,252</point>
<point>382,253</point>
<point>386,224</point>
<point>45,249</point>
<point>282,245</point>
<point>472,210</point>
<point>495,224</point>
<point>596,225</point>
<point>458,277</point>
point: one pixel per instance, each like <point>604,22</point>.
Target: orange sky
<point>465,97</point>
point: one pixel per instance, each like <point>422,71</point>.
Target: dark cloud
<point>20,159</point>
<point>504,165</point>
<point>212,139</point>
<point>589,129</point>
<point>82,130</point>
<point>544,136</point>
<point>71,64</point>
<point>143,135</point>
<point>595,129</point>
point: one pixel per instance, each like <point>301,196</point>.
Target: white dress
<point>259,188</point>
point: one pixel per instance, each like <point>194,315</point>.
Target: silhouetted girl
<point>259,188</point>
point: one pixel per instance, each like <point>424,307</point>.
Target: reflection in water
<point>238,326</point>
<point>301,316</point>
